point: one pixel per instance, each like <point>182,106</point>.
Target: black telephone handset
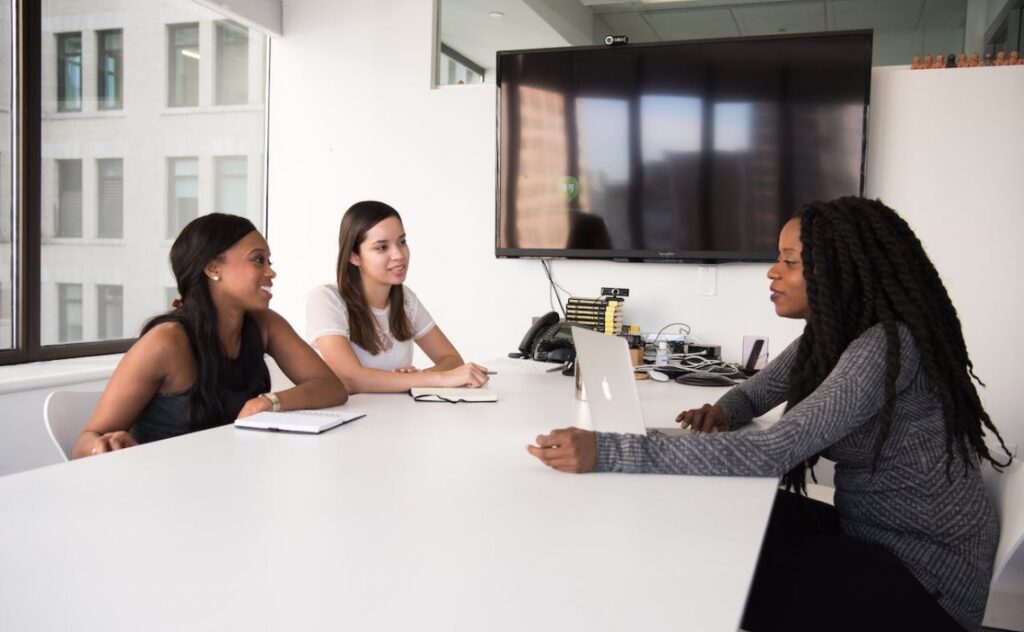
<point>535,332</point>
<point>548,340</point>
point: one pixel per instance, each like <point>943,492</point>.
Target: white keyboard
<point>518,366</point>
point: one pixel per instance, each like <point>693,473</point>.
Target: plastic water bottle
<point>661,357</point>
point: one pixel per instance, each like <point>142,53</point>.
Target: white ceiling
<point>466,27</point>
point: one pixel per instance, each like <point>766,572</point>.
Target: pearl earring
<point>216,278</point>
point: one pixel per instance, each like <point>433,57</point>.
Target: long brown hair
<point>363,328</point>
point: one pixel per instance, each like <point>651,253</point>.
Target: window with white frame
<point>69,198</point>
<point>69,312</point>
<point>69,72</point>
<point>232,184</point>
<point>183,65</point>
<point>108,81</point>
<point>183,193</point>
<point>109,312</point>
<point>110,198</point>
<point>232,76</point>
<point>142,155</point>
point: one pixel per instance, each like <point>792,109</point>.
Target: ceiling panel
<point>791,18</point>
<point>467,27</point>
<point>945,14</point>
<point>631,24</point>
<point>604,6</point>
<point>692,24</point>
<point>894,15</point>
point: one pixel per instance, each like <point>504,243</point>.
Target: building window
<point>69,72</point>
<point>183,65</point>
<point>232,183</point>
<point>69,312</point>
<point>69,198</point>
<point>109,198</point>
<point>109,312</point>
<point>108,45</point>
<point>98,183</point>
<point>232,76</point>
<point>183,193</point>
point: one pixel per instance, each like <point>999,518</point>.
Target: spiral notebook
<point>308,421</point>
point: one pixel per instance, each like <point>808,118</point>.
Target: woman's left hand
<point>567,449</point>
<point>255,405</point>
<point>406,369</point>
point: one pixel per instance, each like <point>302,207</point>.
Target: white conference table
<point>425,516</point>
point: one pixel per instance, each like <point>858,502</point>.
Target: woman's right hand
<point>707,418</point>
<point>469,374</point>
<point>111,441</point>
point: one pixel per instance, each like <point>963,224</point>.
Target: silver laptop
<point>607,372</point>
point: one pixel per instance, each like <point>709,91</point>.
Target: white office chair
<point>1006,600</point>
<point>65,414</point>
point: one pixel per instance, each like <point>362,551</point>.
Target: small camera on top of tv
<point>615,40</point>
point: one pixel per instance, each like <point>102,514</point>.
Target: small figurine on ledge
<point>927,63</point>
<point>962,62</point>
<point>988,60</point>
<point>1014,59</point>
<point>951,61</point>
<point>938,63</point>
<point>1000,58</point>
<point>975,60</point>
<point>916,64</point>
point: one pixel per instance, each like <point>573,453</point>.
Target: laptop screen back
<point>607,372</point>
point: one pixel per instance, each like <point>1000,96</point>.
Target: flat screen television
<point>692,151</point>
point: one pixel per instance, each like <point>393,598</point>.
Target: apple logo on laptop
<point>607,390</point>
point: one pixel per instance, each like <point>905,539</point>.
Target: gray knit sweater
<point>944,530</point>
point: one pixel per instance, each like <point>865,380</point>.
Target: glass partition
<point>152,113</point>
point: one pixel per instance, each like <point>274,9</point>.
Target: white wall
<point>352,117</point>
<point>25,443</point>
<point>944,150</point>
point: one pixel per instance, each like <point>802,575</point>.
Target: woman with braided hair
<point>881,383</point>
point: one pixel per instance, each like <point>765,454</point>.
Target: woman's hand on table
<point>255,405</point>
<point>469,374</point>
<point>707,418</point>
<point>110,441</point>
<point>567,449</point>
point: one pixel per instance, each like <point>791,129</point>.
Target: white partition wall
<point>944,150</point>
<point>353,117</point>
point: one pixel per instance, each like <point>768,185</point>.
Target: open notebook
<point>453,395</point>
<point>310,421</point>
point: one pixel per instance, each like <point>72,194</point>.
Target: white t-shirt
<point>327,315</point>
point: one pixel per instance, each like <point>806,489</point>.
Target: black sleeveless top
<point>166,415</point>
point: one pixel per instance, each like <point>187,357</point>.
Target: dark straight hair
<point>203,240</point>
<point>363,328</point>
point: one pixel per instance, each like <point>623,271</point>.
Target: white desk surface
<point>421,516</point>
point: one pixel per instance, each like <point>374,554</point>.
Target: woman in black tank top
<point>201,364</point>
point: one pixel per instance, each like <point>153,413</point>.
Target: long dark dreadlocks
<point>863,265</point>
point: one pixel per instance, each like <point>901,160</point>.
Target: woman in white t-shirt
<point>364,326</point>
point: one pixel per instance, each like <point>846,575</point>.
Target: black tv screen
<point>694,151</point>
